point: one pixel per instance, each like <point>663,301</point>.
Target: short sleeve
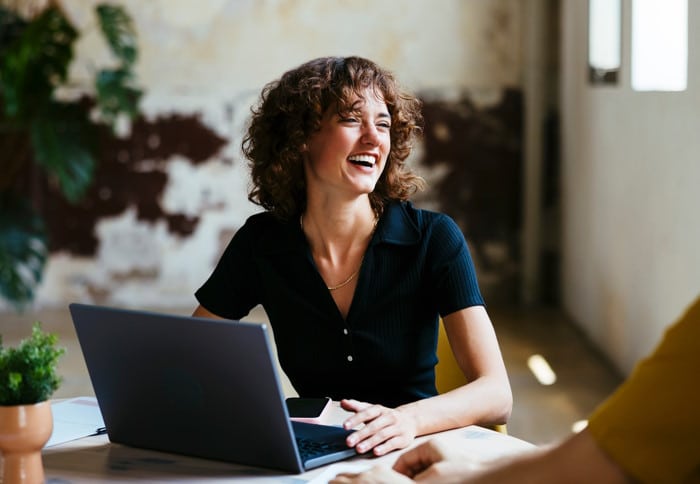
<point>452,272</point>
<point>231,290</point>
<point>650,425</point>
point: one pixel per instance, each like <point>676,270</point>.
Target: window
<point>604,24</point>
<point>659,45</point>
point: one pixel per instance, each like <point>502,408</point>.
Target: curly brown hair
<point>290,110</point>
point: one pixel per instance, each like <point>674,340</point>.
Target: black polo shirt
<point>416,268</point>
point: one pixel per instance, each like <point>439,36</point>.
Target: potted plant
<point>27,379</point>
<point>45,133</point>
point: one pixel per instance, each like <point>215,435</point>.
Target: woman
<point>352,277</point>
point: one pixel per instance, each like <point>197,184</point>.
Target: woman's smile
<point>363,160</point>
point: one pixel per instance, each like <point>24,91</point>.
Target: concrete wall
<point>631,173</point>
<point>171,192</point>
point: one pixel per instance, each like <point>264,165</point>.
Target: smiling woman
<point>349,150</point>
<point>352,276</point>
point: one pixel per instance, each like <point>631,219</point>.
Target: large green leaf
<point>115,94</point>
<point>23,250</point>
<point>34,59</point>
<point>36,62</point>
<point>11,28</point>
<point>119,31</point>
<point>63,140</point>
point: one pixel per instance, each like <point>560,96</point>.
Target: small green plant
<point>28,372</point>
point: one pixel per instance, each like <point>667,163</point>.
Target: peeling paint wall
<point>172,190</point>
<point>473,156</point>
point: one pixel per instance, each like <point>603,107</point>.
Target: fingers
<point>377,474</point>
<point>353,405</point>
<point>439,472</point>
<point>379,445</point>
<point>383,429</point>
<point>449,471</point>
<point>362,412</point>
<point>380,427</point>
<point>418,459</point>
<point>437,462</point>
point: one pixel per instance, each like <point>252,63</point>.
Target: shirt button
<point>349,357</point>
<point>345,331</point>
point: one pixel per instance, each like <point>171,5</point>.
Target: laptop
<point>199,387</point>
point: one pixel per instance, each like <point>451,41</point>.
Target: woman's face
<point>348,153</point>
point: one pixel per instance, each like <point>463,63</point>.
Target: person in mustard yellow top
<point>648,430</point>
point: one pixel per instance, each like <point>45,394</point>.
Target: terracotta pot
<point>24,429</point>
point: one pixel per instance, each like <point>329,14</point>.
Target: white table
<point>94,459</point>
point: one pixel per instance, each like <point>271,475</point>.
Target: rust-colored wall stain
<point>478,151</point>
<point>482,149</point>
<point>130,173</point>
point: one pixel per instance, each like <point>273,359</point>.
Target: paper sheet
<point>74,418</point>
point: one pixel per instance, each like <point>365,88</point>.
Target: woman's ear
<point>304,148</point>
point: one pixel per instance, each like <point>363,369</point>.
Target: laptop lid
<point>195,386</point>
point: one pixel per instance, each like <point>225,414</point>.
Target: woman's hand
<point>383,429</point>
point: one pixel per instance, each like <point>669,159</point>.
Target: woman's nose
<point>370,135</point>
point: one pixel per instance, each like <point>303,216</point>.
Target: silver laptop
<point>199,387</point>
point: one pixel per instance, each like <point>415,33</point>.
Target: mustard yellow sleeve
<point>651,425</point>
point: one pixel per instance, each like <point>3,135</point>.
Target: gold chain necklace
<point>347,281</point>
<point>354,274</point>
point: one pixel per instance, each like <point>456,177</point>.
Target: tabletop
<point>96,459</point>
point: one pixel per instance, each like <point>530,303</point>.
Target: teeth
<point>364,159</point>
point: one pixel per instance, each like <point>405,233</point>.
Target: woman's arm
<point>486,399</point>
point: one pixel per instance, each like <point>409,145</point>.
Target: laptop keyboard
<point>309,449</point>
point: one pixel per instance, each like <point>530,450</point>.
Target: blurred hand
<point>431,462</point>
<point>383,429</point>
<point>377,474</point>
<point>438,462</point>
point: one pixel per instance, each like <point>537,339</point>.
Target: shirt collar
<point>396,226</point>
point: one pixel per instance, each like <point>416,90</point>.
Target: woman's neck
<point>336,234</point>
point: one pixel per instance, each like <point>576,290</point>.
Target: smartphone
<point>307,410</point>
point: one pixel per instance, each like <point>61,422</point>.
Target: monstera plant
<point>39,128</point>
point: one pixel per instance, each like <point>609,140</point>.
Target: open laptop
<point>196,386</point>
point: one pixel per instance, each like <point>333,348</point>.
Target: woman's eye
<point>384,125</point>
<point>349,120</point>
